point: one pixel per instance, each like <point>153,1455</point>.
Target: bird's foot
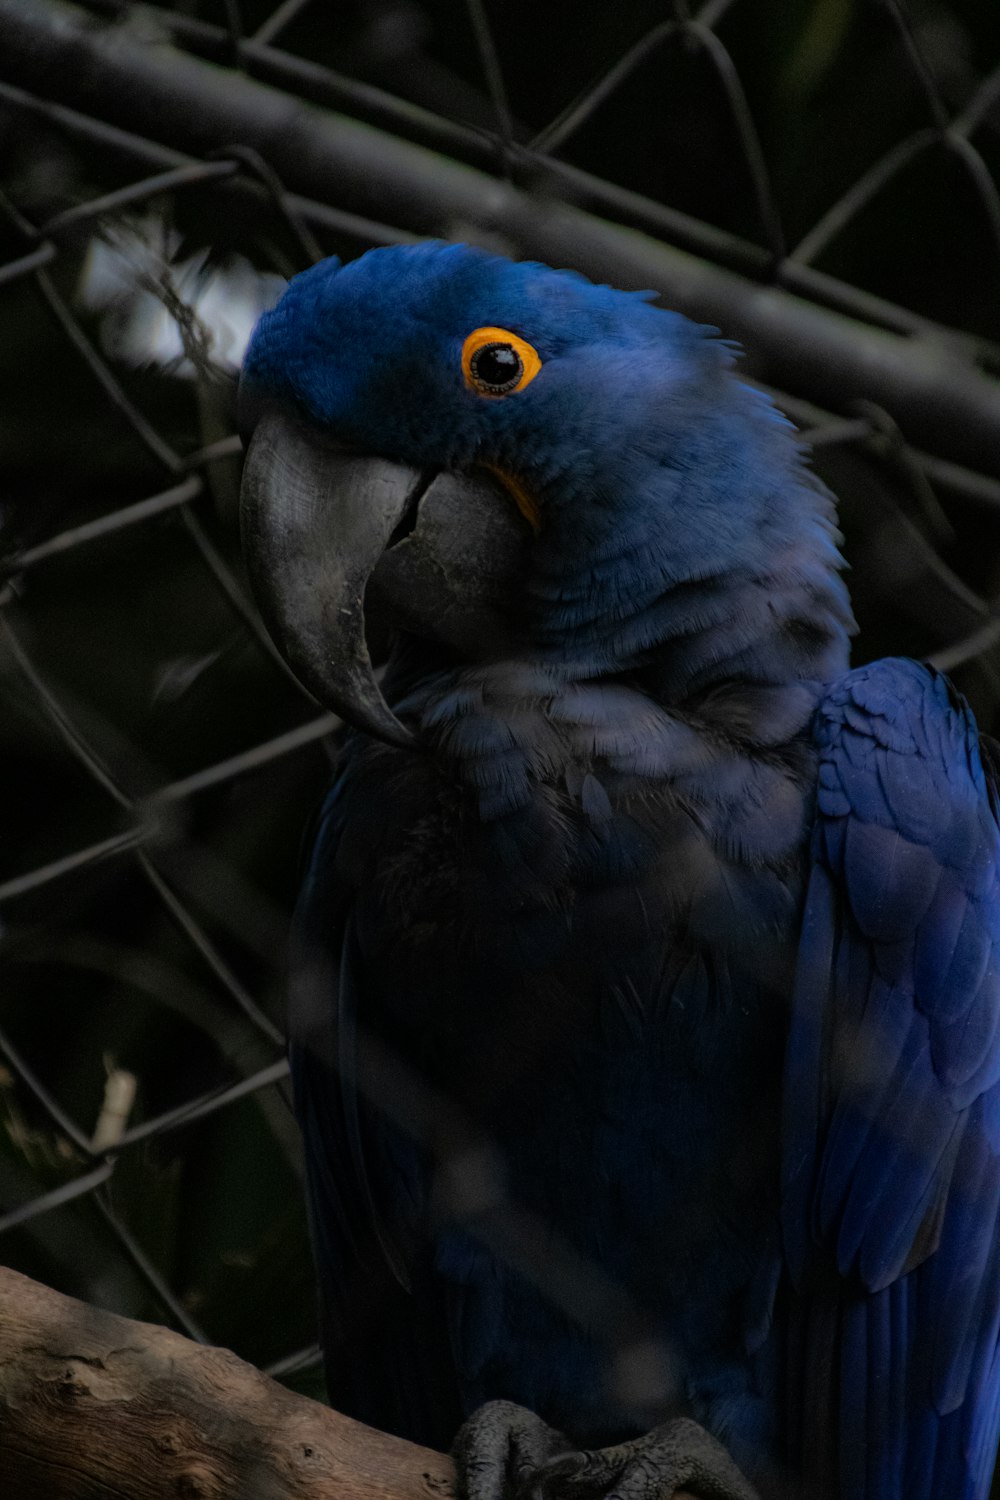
<point>501,1450</point>
<point>505,1452</point>
<point>678,1455</point>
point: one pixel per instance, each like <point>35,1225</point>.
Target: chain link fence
<point>819,180</point>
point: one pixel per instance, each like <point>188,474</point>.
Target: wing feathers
<point>891,882</point>
<point>891,1192</point>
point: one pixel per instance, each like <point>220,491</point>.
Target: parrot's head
<point>513,459</point>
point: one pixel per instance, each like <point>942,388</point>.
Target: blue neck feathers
<point>700,557</point>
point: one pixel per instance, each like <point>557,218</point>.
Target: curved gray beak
<point>318,522</point>
<point>315,521</point>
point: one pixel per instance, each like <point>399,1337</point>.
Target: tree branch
<point>938,398</point>
<point>98,1407</point>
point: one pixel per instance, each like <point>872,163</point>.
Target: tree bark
<point>98,1407</point>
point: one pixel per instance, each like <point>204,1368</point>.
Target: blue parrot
<point>644,1011</point>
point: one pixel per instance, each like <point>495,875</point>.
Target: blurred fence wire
<point>159,762</point>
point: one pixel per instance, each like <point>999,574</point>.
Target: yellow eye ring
<point>495,362</point>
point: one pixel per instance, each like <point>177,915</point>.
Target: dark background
<point>142,914</point>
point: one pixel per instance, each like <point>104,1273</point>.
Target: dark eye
<point>496,368</point>
<point>496,362</point>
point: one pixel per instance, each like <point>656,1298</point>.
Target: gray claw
<point>501,1448</point>
<point>506,1452</point>
<point>676,1455</point>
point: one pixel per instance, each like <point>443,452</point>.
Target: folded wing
<point>891,1175</point>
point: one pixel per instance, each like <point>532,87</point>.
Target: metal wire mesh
<point>156,861</point>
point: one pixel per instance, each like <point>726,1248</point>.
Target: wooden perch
<point>98,1407</point>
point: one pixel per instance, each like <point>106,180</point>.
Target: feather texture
<point>891,1185</point>
<point>645,1016</point>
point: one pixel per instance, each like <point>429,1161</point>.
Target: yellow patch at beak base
<point>523,498</point>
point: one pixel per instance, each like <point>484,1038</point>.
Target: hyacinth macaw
<point>644,1016</point>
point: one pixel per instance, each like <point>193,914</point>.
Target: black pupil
<point>497,366</point>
